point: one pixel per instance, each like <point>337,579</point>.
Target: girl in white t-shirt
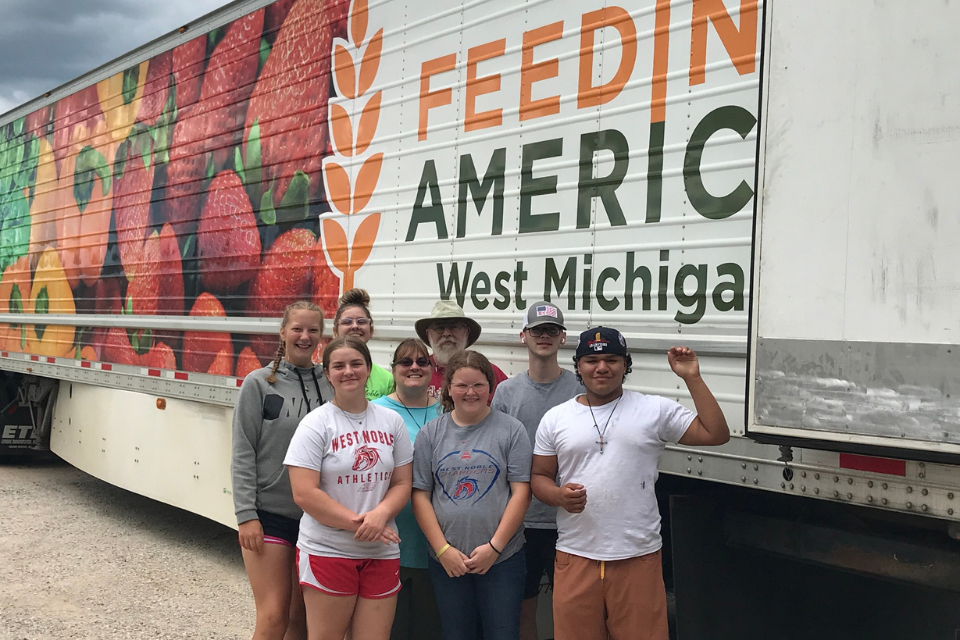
<point>350,469</point>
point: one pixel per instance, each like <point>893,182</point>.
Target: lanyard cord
<point>303,388</point>
<point>316,383</point>
<point>410,413</point>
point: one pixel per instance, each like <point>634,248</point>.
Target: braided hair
<point>299,305</point>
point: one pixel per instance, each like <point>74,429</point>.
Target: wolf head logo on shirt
<point>365,458</point>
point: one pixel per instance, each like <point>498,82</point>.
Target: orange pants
<point>601,600</point>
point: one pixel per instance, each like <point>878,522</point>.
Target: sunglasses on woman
<point>408,362</point>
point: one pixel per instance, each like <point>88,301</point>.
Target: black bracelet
<point>497,551</point>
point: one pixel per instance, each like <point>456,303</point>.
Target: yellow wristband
<point>442,550</point>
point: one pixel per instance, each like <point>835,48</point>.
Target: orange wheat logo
<point>352,128</point>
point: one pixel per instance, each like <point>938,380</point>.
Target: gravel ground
<point>82,559</point>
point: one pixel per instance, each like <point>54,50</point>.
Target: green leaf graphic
<point>14,228</point>
<point>28,166</point>
<point>267,213</point>
<point>252,162</point>
<point>15,304</point>
<point>90,165</point>
<point>264,54</point>
<point>120,161</point>
<point>238,165</point>
<point>295,206</point>
<point>131,77</point>
<point>42,306</point>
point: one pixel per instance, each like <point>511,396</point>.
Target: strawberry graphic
<point>143,293</point>
<point>228,82</point>
<point>228,243</point>
<point>155,87</point>
<point>289,103</point>
<point>247,362</point>
<point>201,348</point>
<point>122,346</point>
<point>185,172</point>
<point>223,364</point>
<point>131,210</point>
<point>79,108</point>
<point>318,354</point>
<point>336,13</point>
<point>188,70</point>
<point>211,124</point>
<point>117,349</point>
<point>154,288</point>
<point>170,274</point>
<point>38,121</point>
<point>108,300</point>
<point>326,284</point>
<point>274,16</point>
<point>160,356</point>
<point>285,276</point>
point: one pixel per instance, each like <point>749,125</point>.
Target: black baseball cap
<point>600,340</point>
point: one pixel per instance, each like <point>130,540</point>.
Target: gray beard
<point>443,353</point>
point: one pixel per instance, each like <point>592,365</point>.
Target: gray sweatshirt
<point>264,419</point>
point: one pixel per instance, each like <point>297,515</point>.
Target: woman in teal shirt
<point>353,318</point>
<point>417,614</point>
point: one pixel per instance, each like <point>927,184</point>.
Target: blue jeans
<point>493,599</point>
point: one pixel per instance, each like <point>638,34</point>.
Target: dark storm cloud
<point>44,43</point>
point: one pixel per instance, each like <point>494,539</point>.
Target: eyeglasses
<point>448,326</point>
<point>550,330</point>
<point>408,362</point>
<point>460,387</point>
<point>349,322</point>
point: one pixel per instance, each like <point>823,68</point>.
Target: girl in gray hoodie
<point>270,405</point>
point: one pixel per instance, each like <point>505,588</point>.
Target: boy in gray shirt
<point>527,397</point>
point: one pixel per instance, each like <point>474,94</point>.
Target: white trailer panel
<point>857,292</point>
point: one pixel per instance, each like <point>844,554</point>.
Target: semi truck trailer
<point>769,183</point>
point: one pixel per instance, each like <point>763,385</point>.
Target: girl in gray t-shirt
<point>471,489</point>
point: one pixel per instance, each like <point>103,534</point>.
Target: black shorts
<point>279,529</point>
<point>541,549</point>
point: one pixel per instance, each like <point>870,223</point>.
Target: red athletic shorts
<point>369,579</point>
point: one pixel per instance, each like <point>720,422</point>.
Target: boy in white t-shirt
<point>596,457</point>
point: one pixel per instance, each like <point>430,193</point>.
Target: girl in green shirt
<point>353,318</point>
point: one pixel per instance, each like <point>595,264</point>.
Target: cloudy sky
<point>44,43</point>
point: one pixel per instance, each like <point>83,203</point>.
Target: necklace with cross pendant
<point>606,424</point>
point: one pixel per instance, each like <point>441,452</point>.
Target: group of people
<point>430,500</point>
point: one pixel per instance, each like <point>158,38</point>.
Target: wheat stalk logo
<point>352,127</point>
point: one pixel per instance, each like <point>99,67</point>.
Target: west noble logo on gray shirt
<point>468,471</point>
<point>527,401</point>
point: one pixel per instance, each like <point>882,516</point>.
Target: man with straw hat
<point>447,330</point>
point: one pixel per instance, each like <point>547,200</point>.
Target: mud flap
<point>730,589</point>
<point>27,411</point>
